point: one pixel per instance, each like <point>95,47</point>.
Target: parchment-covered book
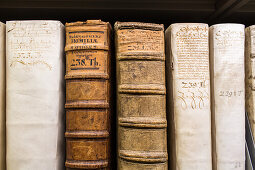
<point>228,95</point>
<point>34,95</point>
<point>188,102</point>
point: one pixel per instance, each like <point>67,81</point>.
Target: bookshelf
<point>156,11</point>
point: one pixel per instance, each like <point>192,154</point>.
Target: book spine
<point>188,80</point>
<point>140,59</point>
<point>34,95</point>
<point>2,97</point>
<point>228,90</point>
<point>250,75</point>
<point>88,95</point>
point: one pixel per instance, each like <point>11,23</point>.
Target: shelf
<point>158,11</point>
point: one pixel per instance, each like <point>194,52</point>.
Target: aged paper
<point>228,104</point>
<point>34,95</point>
<point>188,82</point>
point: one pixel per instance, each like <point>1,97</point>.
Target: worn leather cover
<point>141,99</point>
<point>2,96</point>
<point>188,82</point>
<point>88,95</point>
<point>228,91</point>
<point>250,75</point>
<point>34,95</point>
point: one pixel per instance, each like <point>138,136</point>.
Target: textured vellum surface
<point>188,101</point>
<point>34,95</point>
<point>228,91</point>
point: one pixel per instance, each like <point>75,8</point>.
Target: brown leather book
<point>141,99</point>
<point>88,95</point>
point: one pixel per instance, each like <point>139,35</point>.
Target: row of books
<point>181,95</point>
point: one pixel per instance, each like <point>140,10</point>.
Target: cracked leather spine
<point>141,100</point>
<point>88,101</point>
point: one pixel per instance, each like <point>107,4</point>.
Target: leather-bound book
<point>35,95</point>
<point>188,82</point>
<point>250,75</point>
<point>88,95</point>
<point>141,96</point>
<point>2,96</point>
<point>228,95</point>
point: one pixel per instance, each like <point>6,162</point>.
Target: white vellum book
<point>2,96</point>
<point>228,93</point>
<point>188,87</point>
<point>34,95</point>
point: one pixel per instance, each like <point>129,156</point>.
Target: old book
<point>250,75</point>
<point>2,96</point>
<point>228,90</point>
<point>88,93</point>
<point>34,95</point>
<point>188,82</point>
<point>141,99</point>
